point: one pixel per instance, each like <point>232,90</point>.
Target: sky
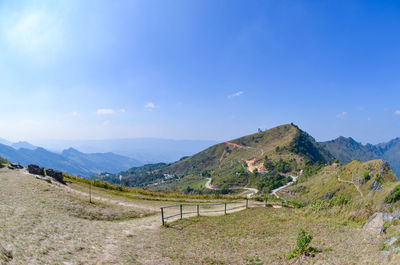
<point>206,69</point>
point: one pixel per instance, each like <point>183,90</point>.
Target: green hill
<point>246,161</point>
<point>285,148</point>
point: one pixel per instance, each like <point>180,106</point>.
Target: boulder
<point>36,170</point>
<point>375,224</point>
<point>389,242</point>
<point>387,217</point>
<point>55,174</point>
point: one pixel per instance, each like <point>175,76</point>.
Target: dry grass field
<point>49,223</point>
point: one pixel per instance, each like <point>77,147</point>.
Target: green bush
<point>303,245</point>
<point>394,195</point>
<point>303,241</point>
<point>340,200</point>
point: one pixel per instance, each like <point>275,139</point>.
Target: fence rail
<point>181,210</point>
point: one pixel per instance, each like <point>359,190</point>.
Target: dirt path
<point>253,191</point>
<point>351,182</point>
<point>244,147</point>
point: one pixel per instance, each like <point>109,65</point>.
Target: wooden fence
<point>182,210</point>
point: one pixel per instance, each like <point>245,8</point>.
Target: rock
<point>375,224</point>
<point>375,186</point>
<point>55,174</point>
<point>396,215</point>
<point>13,166</point>
<point>387,217</point>
<point>386,254</point>
<point>36,170</point>
<point>390,241</point>
<point>396,250</point>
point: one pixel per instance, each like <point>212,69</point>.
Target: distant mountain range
<point>147,150</point>
<point>347,149</point>
<point>71,160</point>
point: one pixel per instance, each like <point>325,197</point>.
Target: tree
<point>224,189</point>
<point>125,182</point>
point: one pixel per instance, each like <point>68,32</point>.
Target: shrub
<point>394,195</point>
<point>340,200</point>
<point>303,241</point>
<point>303,245</point>
<point>366,176</point>
<point>225,189</point>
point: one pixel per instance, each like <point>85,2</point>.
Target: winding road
<point>274,192</point>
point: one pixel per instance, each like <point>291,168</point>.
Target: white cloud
<point>237,94</point>
<point>122,110</point>
<point>150,106</point>
<point>74,113</point>
<point>341,115</point>
<point>105,111</point>
<point>397,112</point>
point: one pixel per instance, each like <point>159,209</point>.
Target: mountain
<point>4,141</point>
<point>71,161</point>
<point>23,144</point>
<point>148,150</point>
<point>347,149</point>
<point>281,149</point>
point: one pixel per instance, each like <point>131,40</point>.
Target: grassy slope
<point>326,181</point>
<point>262,235</point>
<point>45,223</point>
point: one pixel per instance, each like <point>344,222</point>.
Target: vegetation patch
<point>303,246</point>
<point>101,211</point>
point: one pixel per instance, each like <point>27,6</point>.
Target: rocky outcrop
<point>36,170</point>
<point>13,166</point>
<point>375,224</point>
<point>55,174</point>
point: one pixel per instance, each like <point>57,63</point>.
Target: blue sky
<point>207,69</point>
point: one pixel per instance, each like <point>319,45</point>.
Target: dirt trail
<point>244,147</point>
<point>351,182</point>
<point>252,190</point>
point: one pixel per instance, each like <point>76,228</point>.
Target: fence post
<point>198,210</point>
<point>225,208</point>
<point>247,203</point>
<point>162,215</point>
<point>90,191</point>
<point>180,206</point>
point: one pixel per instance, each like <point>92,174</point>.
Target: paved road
<point>273,192</point>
